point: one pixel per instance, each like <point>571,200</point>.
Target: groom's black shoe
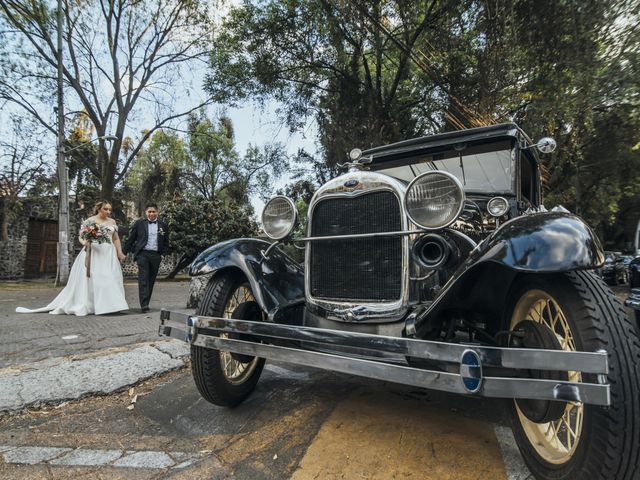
<point>144,309</point>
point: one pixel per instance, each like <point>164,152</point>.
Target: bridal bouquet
<point>92,232</point>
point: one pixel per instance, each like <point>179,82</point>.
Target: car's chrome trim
<point>354,310</point>
<point>361,235</point>
<point>201,331</point>
<point>385,234</point>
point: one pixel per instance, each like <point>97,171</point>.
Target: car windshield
<point>478,172</point>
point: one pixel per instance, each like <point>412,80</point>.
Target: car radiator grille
<point>367,269</point>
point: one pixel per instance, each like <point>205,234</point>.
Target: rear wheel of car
<point>222,377</point>
<point>576,311</point>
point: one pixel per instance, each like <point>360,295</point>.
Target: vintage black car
<point>432,262</point>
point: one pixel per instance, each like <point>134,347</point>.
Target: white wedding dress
<point>102,292</point>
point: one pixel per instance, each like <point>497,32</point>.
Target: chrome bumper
<point>202,331</point>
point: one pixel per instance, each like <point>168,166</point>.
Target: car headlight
<point>497,206</point>
<point>279,217</point>
<point>434,200</point>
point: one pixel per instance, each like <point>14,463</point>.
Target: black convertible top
<point>445,141</point>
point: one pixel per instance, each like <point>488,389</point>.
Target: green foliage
<point>212,155</point>
<point>199,223</point>
<point>157,173</point>
<point>385,70</point>
<point>315,57</point>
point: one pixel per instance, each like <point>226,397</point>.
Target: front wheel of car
<point>225,378</point>
<point>577,312</point>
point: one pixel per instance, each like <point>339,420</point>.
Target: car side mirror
<point>546,145</point>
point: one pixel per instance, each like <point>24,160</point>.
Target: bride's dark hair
<point>99,204</point>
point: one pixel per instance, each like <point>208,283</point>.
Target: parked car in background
<point>626,260</point>
<point>633,301</point>
<point>634,273</point>
<point>432,262</point>
<point>614,271</point>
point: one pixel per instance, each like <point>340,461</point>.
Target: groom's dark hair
<point>150,205</point>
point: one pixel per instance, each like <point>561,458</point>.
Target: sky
<point>256,126</point>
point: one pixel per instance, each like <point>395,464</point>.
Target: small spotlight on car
<point>497,206</point>
<point>434,200</point>
<point>355,154</point>
<point>279,217</point>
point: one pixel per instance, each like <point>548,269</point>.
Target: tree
<point>338,61</point>
<point>212,155</point>
<point>21,167</point>
<point>382,71</point>
<point>201,222</point>
<point>216,169</point>
<point>578,70</point>
<point>158,173</point>
<point>122,60</point>
<point>257,170</point>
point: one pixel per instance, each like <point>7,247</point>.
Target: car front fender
<point>276,281</point>
<point>542,242</point>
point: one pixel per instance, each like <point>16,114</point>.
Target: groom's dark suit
<point>147,256</point>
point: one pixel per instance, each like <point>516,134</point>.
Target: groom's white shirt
<point>152,237</point>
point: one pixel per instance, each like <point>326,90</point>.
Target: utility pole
<point>63,201</point>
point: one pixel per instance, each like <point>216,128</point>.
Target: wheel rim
<point>555,441</point>
<point>235,371</point>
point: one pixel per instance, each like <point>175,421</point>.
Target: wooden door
<point>42,241</point>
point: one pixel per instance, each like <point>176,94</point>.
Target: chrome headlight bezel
<point>455,213</point>
<point>504,207</point>
<point>293,219</point>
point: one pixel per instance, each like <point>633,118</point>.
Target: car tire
<point>221,377</point>
<point>586,317</point>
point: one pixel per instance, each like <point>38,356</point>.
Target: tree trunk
<point>5,222</point>
<point>109,166</point>
<point>106,190</point>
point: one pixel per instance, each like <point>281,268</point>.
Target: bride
<point>97,290</point>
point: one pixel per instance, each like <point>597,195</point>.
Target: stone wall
<point>130,268</point>
<point>12,255</point>
<point>13,251</point>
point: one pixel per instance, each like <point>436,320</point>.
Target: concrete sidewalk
<point>51,358</point>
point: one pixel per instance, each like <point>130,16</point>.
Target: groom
<point>148,239</point>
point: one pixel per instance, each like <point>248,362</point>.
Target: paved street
<point>300,423</point>
<point>25,338</point>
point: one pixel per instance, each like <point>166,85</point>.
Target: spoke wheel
<point>233,369</point>
<point>576,311</point>
<point>225,378</point>
<point>556,440</point>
